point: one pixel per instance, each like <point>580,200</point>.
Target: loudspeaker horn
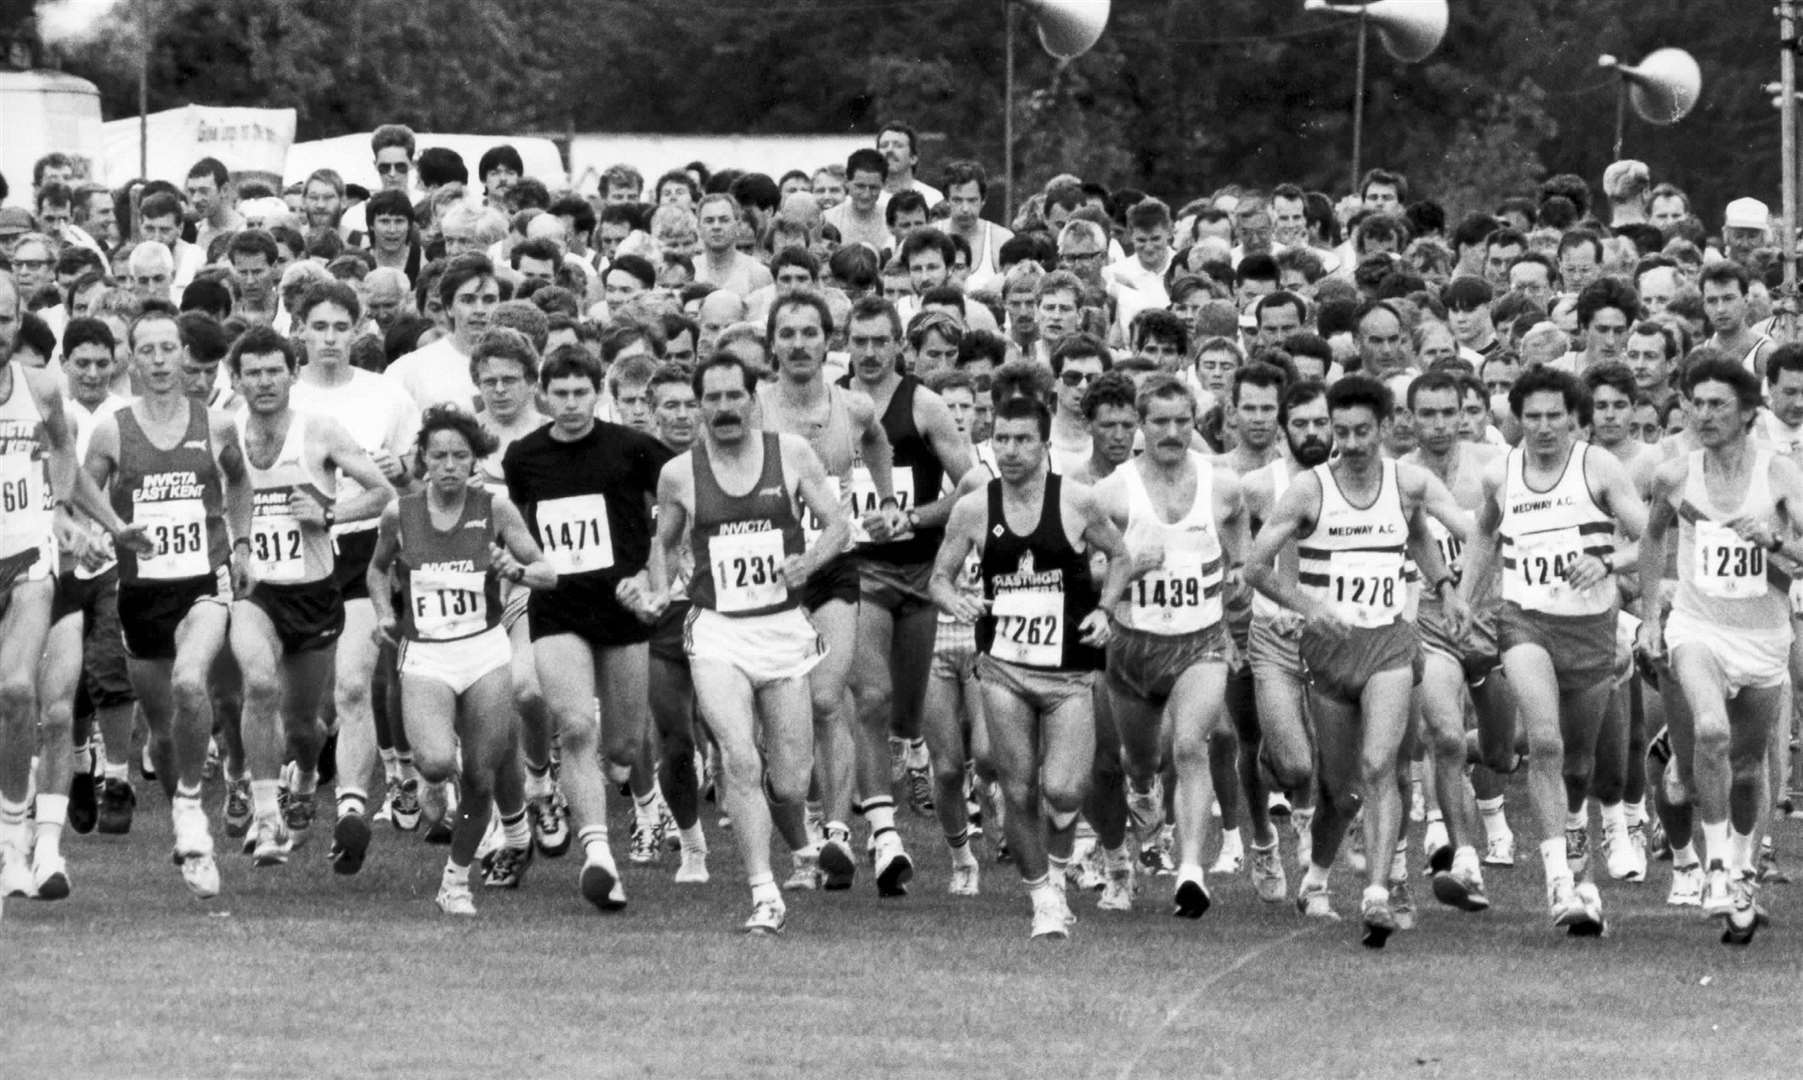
<point>1664,87</point>
<point>1068,28</point>
<point>1410,30</point>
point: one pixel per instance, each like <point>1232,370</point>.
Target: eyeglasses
<point>1080,256</point>
<point>1074,379</point>
<point>401,167</point>
<point>31,264</point>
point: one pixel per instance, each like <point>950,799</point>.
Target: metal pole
<point>1008,116</point>
<point>1358,107</point>
<point>144,91</point>
<point>1787,110</point>
<point>1621,115</point>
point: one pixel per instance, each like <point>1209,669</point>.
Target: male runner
<point>733,499</point>
<point>1728,634</point>
<point>286,626</point>
<point>842,427</point>
<point>1181,518</point>
<point>1355,521</point>
<point>1552,511</point>
<point>1041,626</point>
<point>584,486</point>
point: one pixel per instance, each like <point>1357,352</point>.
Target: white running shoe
<point>893,867</point>
<point>1051,915</point>
<point>1499,850</point>
<point>15,874</point>
<point>269,843</point>
<point>1687,886</point>
<point>1315,902</point>
<point>1716,899</point>
<point>964,878</point>
<point>455,898</point>
<point>1117,893</point>
<point>201,874</point>
<point>50,877</point>
<point>806,875</point>
<point>693,870</point>
<point>1619,853</point>
<point>1268,878</point>
<point>1232,856</point>
<point>767,919</point>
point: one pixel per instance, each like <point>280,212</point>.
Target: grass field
<point>294,972</point>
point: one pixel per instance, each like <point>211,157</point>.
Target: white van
<point>43,111</point>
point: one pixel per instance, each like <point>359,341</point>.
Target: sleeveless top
<point>284,551</point>
<point>740,541</point>
<point>26,508</point>
<point>1353,559</point>
<point>834,443</point>
<point>1544,532</point>
<point>1184,595</point>
<point>1039,588</point>
<point>1263,607</point>
<point>178,495</point>
<point>446,575</point>
<point>917,473</point>
<point>1722,579</point>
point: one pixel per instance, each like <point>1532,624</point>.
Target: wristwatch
<point>913,518</point>
<point>330,516</point>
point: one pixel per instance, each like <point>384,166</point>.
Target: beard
<point>1311,452</point>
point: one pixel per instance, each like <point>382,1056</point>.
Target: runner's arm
<point>1437,499</point>
<point>672,523</point>
<point>516,541</point>
<point>381,562</point>
<point>68,481</point>
<point>874,450</point>
<point>1100,533</point>
<point>1296,507</point>
<point>343,453</point>
<point>963,532</point>
<point>800,461</point>
<point>1654,540</point>
<point>952,449</point>
<point>1479,561</point>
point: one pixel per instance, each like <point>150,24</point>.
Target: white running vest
<point>1545,532</point>
<point>1184,595</point>
<point>1353,561</point>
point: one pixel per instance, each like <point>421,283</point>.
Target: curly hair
<point>448,417</point>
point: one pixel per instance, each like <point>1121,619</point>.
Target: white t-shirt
<point>376,412</point>
<point>434,374</point>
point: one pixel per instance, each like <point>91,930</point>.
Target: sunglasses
<point>400,167</point>
<point>1074,379</point>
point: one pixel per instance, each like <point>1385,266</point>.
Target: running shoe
<point>1051,914</point>
<point>1231,859</point>
<point>194,848</point>
<point>644,848</point>
<point>1770,873</point>
<point>238,813</point>
<point>920,790</point>
<point>550,823</point>
<point>1315,902</point>
<point>297,813</point>
<point>117,802</point>
<point>438,808</point>
<point>806,876</point>
<point>1625,861</point>
<point>404,803</point>
<point>50,877</point>
<point>1278,805</point>
<point>1591,900</point>
<point>1562,900</point>
<point>1499,850</point>
<point>1190,899</point>
<point>1658,844</point>
<point>601,886</point>
<point>1577,850</point>
<point>1402,904</point>
<point>837,866</point>
<point>1743,916</point>
<point>1687,886</point>
<point>201,874</point>
<point>1436,844</point>
<point>505,867</point>
<point>1090,873</point>
<point>1117,894</point>
<point>350,843</point>
<point>767,919</point>
<point>1716,899</point>
<point>693,869</point>
<point>667,835</point>
<point>1377,922</point>
<point>455,898</point>
<point>893,867</point>
<point>1268,878</point>
<point>1461,888</point>
<point>1155,854</point>
<point>965,876</point>
<point>84,802</point>
<point>269,843</point>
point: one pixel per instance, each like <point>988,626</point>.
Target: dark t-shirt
<point>588,504</point>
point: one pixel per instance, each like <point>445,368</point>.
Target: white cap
<point>1747,213</point>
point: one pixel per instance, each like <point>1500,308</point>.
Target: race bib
<point>178,528</point>
<point>25,499</point>
<point>1727,567</point>
<point>448,604</point>
<point>747,571</point>
<point>575,534</point>
<point>1452,549</point>
<point>275,548</point>
<point>970,581</point>
<point>1542,560</point>
<point>1366,587</point>
<point>865,500</point>
<point>811,525</point>
<point>1029,627</point>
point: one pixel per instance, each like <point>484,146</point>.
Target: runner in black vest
<point>1041,625</point>
<point>896,620</point>
<point>449,547</point>
<point>750,644</point>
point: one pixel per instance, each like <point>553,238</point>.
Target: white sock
<point>1685,856</point>
<point>1552,854</point>
<point>694,842</point>
<point>454,874</point>
<point>1614,816</point>
<point>1636,812</point>
<point>1715,843</point>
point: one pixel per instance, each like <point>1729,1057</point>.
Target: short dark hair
<point>1268,376</point>
<point>1430,382</point>
<point>496,157</point>
<point>1357,391</point>
<point>330,292</point>
<point>388,203</point>
<point>1080,346</point>
<point>83,330</point>
<point>1025,407</point>
<point>1607,292</point>
<point>1299,393</point>
<point>1617,377</point>
<point>203,337</point>
<point>866,159</point>
<point>566,361</point>
<point>1786,357</point>
<point>1543,379</point>
<point>1113,388</point>
<point>806,298</point>
<point>637,266</point>
<point>1712,366</point>
<point>261,341</point>
<point>448,417</point>
<point>724,358</point>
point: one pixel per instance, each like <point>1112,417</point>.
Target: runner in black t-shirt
<point>585,487</point>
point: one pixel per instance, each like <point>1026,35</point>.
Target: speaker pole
<point>1008,20</point>
<point>1621,115</point>
<point>1787,111</point>
<point>1358,106</point>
